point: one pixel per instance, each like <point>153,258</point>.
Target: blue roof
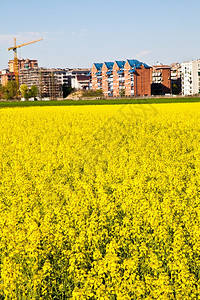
<point>133,62</point>
<point>98,73</point>
<point>120,72</point>
<point>98,66</point>
<point>146,66</point>
<point>109,65</point>
<point>109,73</point>
<point>88,74</point>
<point>120,63</point>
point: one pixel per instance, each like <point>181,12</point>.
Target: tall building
<point>118,78</point>
<point>107,78</point>
<point>137,78</point>
<point>96,74</point>
<point>23,64</point>
<point>47,83</point>
<point>190,77</point>
<point>127,78</point>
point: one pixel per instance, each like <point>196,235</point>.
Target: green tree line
<point>9,91</point>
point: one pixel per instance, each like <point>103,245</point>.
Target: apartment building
<point>160,80</point>
<point>47,83</point>
<point>6,76</point>
<point>107,78</point>
<point>63,76</point>
<point>80,78</point>
<point>129,78</point>
<point>190,77</point>
<point>118,78</point>
<point>137,78</point>
<point>96,74</point>
<point>80,82</point>
<point>23,64</point>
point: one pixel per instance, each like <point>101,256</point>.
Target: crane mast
<point>16,70</point>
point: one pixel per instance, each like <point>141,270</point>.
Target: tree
<point>122,93</point>
<point>33,91</point>
<point>66,90</point>
<point>9,91</point>
<point>1,91</point>
<point>28,93</point>
<point>174,89</point>
<point>24,90</point>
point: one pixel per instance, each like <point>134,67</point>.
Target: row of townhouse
<point>130,78</point>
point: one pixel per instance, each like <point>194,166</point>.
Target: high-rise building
<point>190,77</point>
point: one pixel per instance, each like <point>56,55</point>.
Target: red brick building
<point>137,78</point>
<point>122,78</point>
<point>118,78</point>
<point>96,74</point>
<point>7,76</point>
<point>161,80</point>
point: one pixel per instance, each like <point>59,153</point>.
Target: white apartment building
<point>190,77</point>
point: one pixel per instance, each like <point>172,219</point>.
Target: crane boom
<point>25,44</point>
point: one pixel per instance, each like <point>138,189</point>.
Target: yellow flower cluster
<point>100,202</point>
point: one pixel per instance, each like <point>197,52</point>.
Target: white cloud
<point>142,54</point>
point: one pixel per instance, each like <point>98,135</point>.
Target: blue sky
<point>77,33</point>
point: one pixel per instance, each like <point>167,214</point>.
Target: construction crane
<point>16,71</point>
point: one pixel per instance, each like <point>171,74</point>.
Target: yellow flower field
<point>100,202</point>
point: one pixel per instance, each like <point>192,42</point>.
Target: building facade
<point>161,80</point>
<point>80,82</point>
<point>122,78</point>
<point>6,76</point>
<point>96,74</point>
<point>190,77</point>
<point>23,64</point>
<point>47,83</point>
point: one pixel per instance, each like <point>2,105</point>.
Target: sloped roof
<point>98,66</point>
<point>134,63</point>
<point>109,65</point>
<point>146,66</point>
<point>120,63</point>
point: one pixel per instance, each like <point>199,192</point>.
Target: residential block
<point>127,78</point>
<point>190,77</point>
